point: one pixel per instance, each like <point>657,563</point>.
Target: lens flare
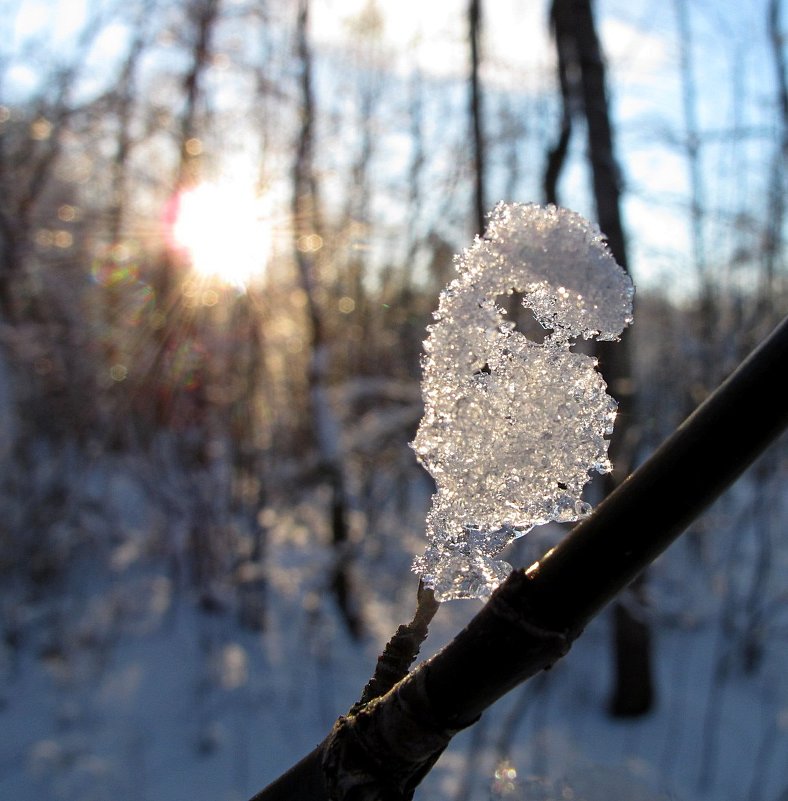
<point>224,231</point>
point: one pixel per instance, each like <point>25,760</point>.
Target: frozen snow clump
<point>512,428</point>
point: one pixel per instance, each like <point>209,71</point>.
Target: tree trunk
<point>777,188</point>
<point>474,35</point>
<point>324,422</point>
<point>581,72</point>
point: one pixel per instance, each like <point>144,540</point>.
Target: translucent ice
<point>513,428</point>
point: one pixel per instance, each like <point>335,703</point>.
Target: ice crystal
<point>512,428</point>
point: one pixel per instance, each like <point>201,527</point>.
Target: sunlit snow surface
<point>513,428</point>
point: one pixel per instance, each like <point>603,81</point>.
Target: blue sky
<point>731,64</point>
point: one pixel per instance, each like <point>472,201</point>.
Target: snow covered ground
<point>116,682</point>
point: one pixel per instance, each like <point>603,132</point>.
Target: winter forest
<point>225,226</point>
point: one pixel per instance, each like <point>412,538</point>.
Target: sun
<point>224,230</point>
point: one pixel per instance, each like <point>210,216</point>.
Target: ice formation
<point>513,428</point>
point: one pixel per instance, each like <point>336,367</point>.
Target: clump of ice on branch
<point>512,428</point>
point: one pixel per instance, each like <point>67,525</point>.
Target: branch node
<point>384,750</point>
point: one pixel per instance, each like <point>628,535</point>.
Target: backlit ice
<point>513,428</point>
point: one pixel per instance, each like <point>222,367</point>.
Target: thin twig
<point>401,650</point>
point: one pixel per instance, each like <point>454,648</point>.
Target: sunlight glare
<point>225,232</point>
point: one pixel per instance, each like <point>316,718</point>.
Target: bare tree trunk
<point>707,293</point>
<point>579,55</point>
<point>777,188</point>
<point>476,114</point>
<point>358,210</point>
<point>248,366</point>
<point>325,424</point>
<point>415,174</point>
<point>204,15</point>
<point>692,141</point>
<point>124,105</point>
<point>556,156</point>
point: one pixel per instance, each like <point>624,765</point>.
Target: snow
<point>116,685</point>
<point>512,428</point>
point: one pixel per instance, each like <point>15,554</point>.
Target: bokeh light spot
<point>193,147</point>
<point>346,305</point>
<point>41,129</point>
<point>67,213</point>
<point>118,372</point>
<point>309,243</point>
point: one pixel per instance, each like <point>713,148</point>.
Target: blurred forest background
<point>224,225</point>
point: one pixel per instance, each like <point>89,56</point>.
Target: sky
<point>639,37</point>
